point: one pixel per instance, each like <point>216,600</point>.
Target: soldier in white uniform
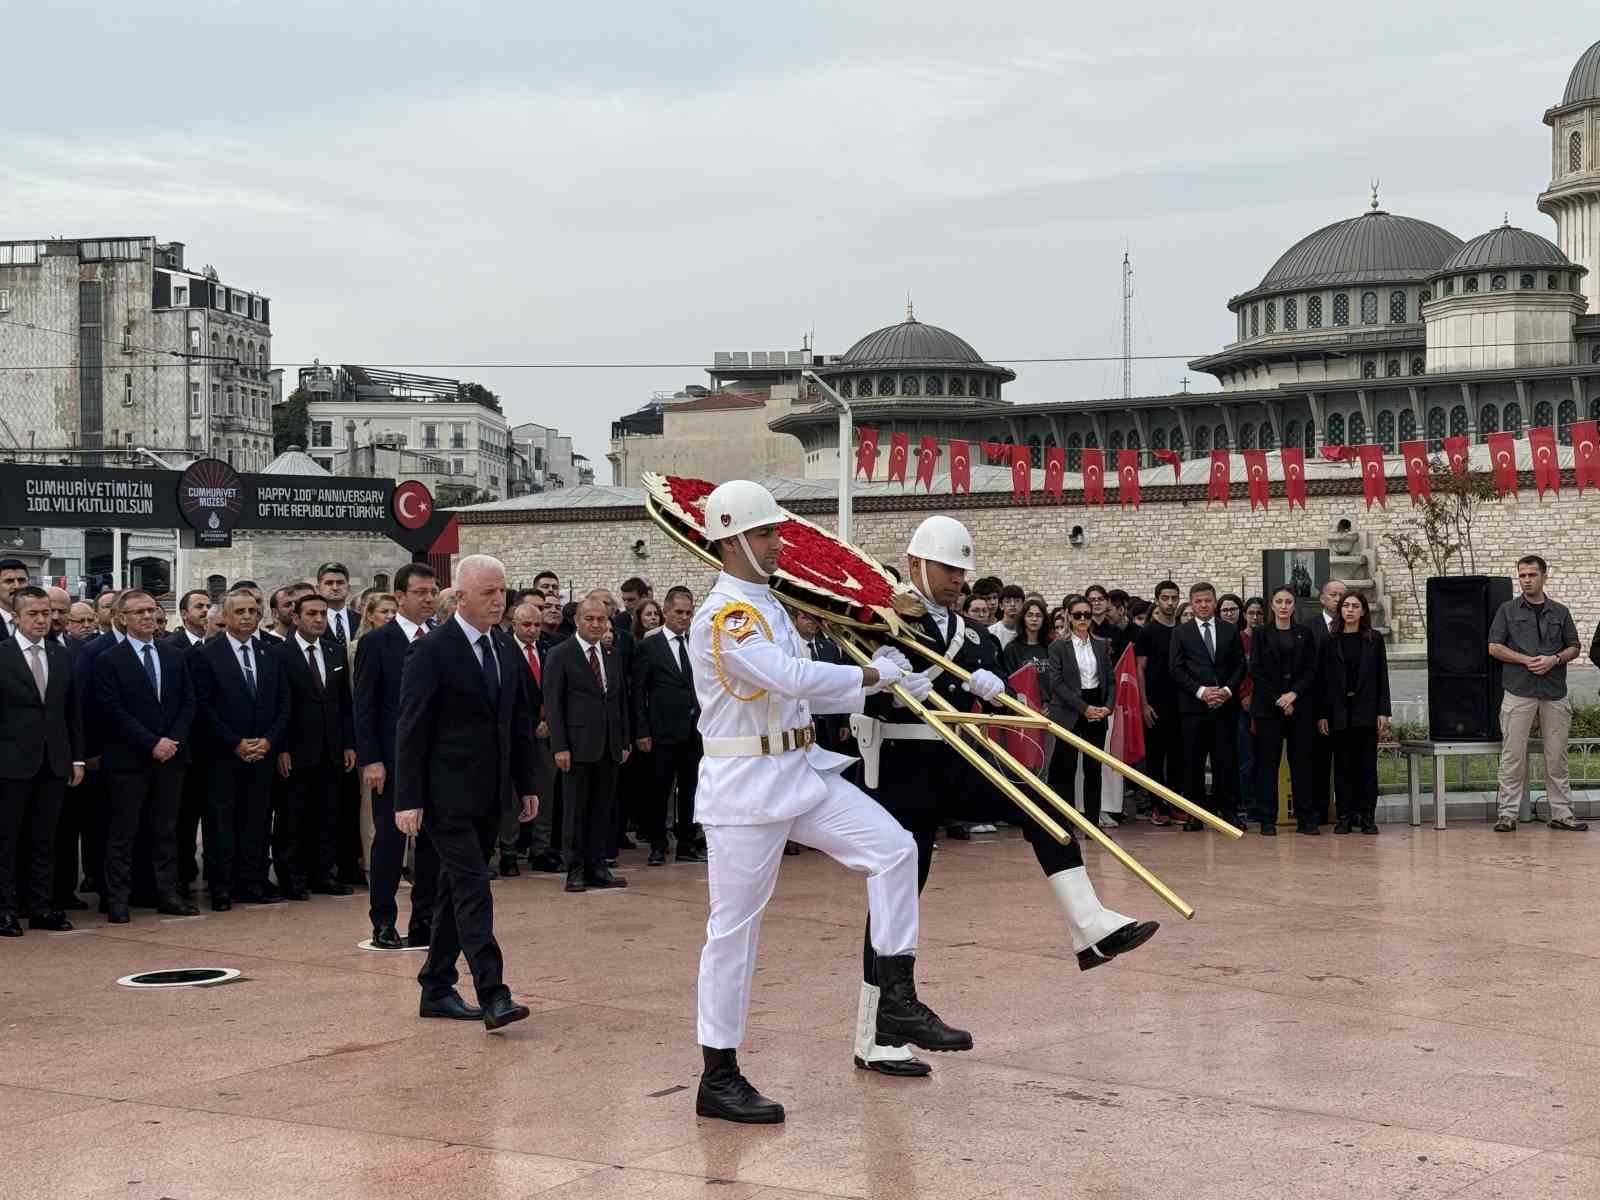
<point>764,782</point>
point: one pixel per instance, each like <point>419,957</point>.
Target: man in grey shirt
<point>1535,637</point>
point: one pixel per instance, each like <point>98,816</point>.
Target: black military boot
<point>726,1094</point>
<point>903,1018</point>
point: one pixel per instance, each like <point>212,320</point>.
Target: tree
<point>478,394</point>
<point>459,495</point>
<point>291,422</point>
<point>1441,529</point>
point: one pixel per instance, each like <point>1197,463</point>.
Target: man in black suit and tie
<point>380,661</point>
<point>41,755</point>
<point>333,585</point>
<point>833,732</point>
<point>13,575</point>
<point>527,618</point>
<point>1323,626</point>
<point>1207,663</point>
<point>194,614</point>
<point>244,707</point>
<point>318,749</point>
<point>146,701</point>
<point>584,702</point>
<point>465,748</point>
<point>60,621</point>
<point>666,715</point>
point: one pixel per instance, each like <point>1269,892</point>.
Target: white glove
<point>892,656</point>
<point>918,684</point>
<point>888,675</point>
<point>985,685</point>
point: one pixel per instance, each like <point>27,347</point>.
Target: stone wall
<point>275,557</point>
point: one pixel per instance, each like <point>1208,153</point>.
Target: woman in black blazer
<point>1355,712</point>
<point>1081,709</point>
<point>1283,706</point>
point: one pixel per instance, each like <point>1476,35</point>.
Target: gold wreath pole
<point>1085,826</point>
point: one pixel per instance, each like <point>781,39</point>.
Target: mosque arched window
<point>1525,280</point>
<point>988,388</point>
<point>974,388</point>
<point>1358,429</point>
<point>933,385</point>
<point>1488,420</point>
<point>1269,438</point>
<point>1497,283</point>
<point>1391,368</point>
<point>1544,414</point>
<point>1385,420</point>
<point>1594,409</point>
<point>1035,451</point>
<point>1341,308</point>
<point>1419,365</point>
<point>1369,369</point>
<point>1202,439</point>
<point>1335,434</point>
<point>1553,282</point>
<point>1397,306</point>
<point>1177,442</point>
<point>846,388</point>
<point>1158,438</point>
<point>1575,152</point>
<point>1133,440</point>
<point>1408,425</point>
<point>1459,421</point>
<point>1219,438</point>
<point>1565,416</point>
<point>1369,308</point>
<point>1247,436</point>
<point>1291,313</point>
<point>1311,437</point>
<point>1422,298</point>
<point>910,385</point>
<point>1272,316</point>
<point>1255,320</point>
<point>1091,440</point>
<point>958,386</point>
<point>885,385</point>
<point>1437,428</point>
<point>1512,417</point>
<point>1313,312</point>
<point>1116,440</point>
<point>1469,284</point>
<point>1291,433</point>
<point>1449,287</point>
<point>1074,451</point>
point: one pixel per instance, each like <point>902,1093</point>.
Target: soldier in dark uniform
<point>923,782</point>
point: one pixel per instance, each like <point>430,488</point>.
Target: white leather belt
<point>907,731</point>
<point>776,742</point>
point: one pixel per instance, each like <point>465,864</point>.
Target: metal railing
<point>1479,772</point>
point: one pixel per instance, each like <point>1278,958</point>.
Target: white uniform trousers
<point>742,862</point>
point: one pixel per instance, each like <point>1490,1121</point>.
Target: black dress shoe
<point>174,906</point>
<point>10,926</point>
<point>550,864</point>
<point>73,904</point>
<point>1309,831</point>
<point>958,833</point>
<point>1269,831</point>
<point>418,936</point>
<point>1130,937</point>
<point>1193,825</point>
<point>503,1012</point>
<point>902,1017</point>
<point>55,922</point>
<point>294,893</point>
<point>1344,825</point>
<point>508,866</point>
<point>450,1007</point>
<point>387,938</point>
<point>1369,827</point>
<point>332,887</point>
<point>689,854</point>
<point>221,904</point>
<point>728,1096</point>
<point>603,878</point>
<point>260,898</point>
<point>575,881</point>
<point>657,857</point>
<point>117,914</point>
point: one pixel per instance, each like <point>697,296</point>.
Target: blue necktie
<point>150,669</point>
<point>491,677</point>
<point>249,675</point>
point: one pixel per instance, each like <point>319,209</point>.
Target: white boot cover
<point>1087,918</point>
<point>867,1048</point>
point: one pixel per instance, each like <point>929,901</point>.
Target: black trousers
<point>463,912</point>
<point>1163,747</point>
<point>388,856</point>
<point>147,798</point>
<point>191,813</point>
<point>238,823</point>
<point>588,799</point>
<point>80,836</point>
<point>1274,735</point>
<point>1355,756</point>
<point>347,828</point>
<point>1064,759</point>
<point>1212,737</point>
<point>35,805</point>
<point>1321,779</point>
<point>305,826</point>
<point>675,763</point>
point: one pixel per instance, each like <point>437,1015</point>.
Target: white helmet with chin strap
<point>738,506</point>
<point>944,540</point>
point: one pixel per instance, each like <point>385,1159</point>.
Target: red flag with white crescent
<point>1546,460</point>
<point>1337,453</point>
<point>1503,457</point>
<point>960,466</point>
<point>1374,484</point>
<point>1021,474</point>
<point>867,453</point>
<point>1221,477</point>
<point>1055,471</point>
<point>1586,453</point>
<point>1418,481</point>
<point>1255,471</point>
<point>996,452</point>
<point>899,452</point>
<point>1094,476</point>
<point>927,457</point>
<point>1293,459</point>
<point>1171,458</point>
<point>1026,745</point>
<point>1456,449</point>
<point>1128,477</point>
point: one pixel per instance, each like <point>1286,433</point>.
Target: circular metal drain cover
<point>180,977</point>
<point>368,946</point>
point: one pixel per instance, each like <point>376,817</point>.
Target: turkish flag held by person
<point>995,452</point>
<point>1293,459</point>
<point>1374,484</point>
<point>1456,450</point>
<point>1055,472</point>
<point>1026,745</point>
<point>867,453</point>
<point>1255,471</point>
<point>899,452</point>
<point>1418,481</point>
<point>1128,477</point>
<point>960,466</point>
<point>1338,453</point>
<point>1125,731</point>
<point>927,458</point>
<point>1546,459</point>
<point>1170,457</point>
<point>1503,457</point>
<point>1021,474</point>
<point>1586,453</point>
<point>1221,477</point>
<point>1094,476</point>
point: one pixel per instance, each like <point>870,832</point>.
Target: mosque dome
<point>1375,247</point>
<point>1584,82</point>
<point>911,343</point>
<point>1506,246</point>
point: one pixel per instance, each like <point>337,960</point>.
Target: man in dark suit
<point>526,621</point>
<point>1323,626</point>
<point>584,701</point>
<point>464,747</point>
<point>41,755</point>
<point>60,621</point>
<point>81,832</point>
<point>146,701</point>
<point>318,748</point>
<point>380,660</point>
<point>244,707</point>
<point>194,614</point>
<point>665,719</point>
<point>13,575</point>
<point>1207,663</point>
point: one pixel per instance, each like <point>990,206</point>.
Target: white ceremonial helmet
<point>739,506</point>
<point>944,540</point>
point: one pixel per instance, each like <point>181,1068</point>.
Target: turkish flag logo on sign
<point>1094,476</point>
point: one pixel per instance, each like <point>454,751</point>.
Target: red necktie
<point>316,673</point>
<point>417,636</point>
<point>533,663</point>
<point>594,665</point>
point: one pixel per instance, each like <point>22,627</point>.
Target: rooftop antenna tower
<point>1127,327</point>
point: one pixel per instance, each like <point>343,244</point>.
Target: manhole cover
<point>180,977</point>
<point>367,945</point>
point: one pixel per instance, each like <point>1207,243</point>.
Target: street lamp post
<point>846,471</point>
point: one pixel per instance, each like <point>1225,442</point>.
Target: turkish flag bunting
<point>1055,471</point>
<point>1455,449</point>
<point>1294,475</point>
<point>867,453</point>
<point>995,452</point>
<point>1585,454</point>
<point>899,451</point>
<point>1338,453</point>
<point>1503,456</point>
<point>1021,474</point>
<point>960,466</point>
<point>1418,481</point>
<point>1128,477</point>
<point>1546,460</point>
<point>1094,476</point>
<point>1374,484</point>
<point>1221,477</point>
<point>927,457</point>
<point>1026,745</point>
<point>1170,457</point>
<point>1255,471</point>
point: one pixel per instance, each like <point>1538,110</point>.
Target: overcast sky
<point>469,183</point>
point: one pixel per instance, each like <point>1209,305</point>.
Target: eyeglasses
<point>1082,615</point>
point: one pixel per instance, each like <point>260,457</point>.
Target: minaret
<point>1573,197</point>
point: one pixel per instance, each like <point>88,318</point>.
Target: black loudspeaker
<point>1464,687</point>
